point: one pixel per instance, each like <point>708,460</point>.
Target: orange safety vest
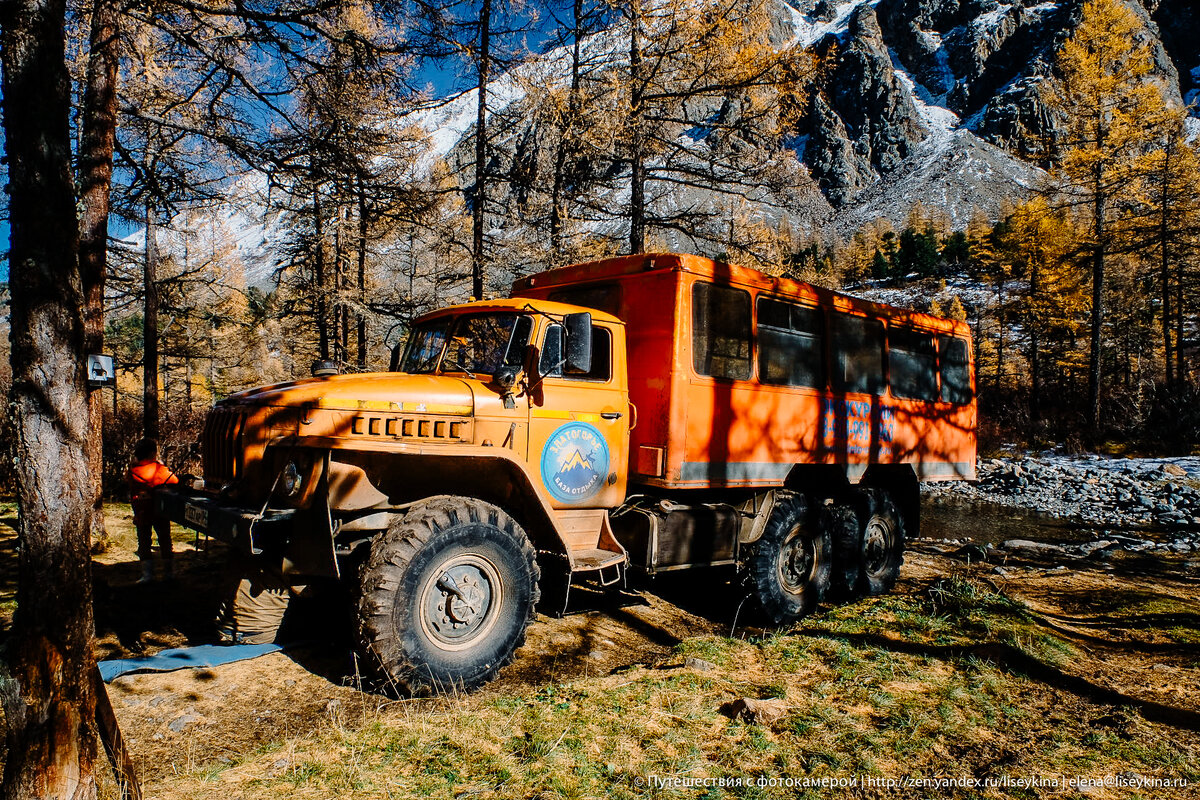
<point>143,478</point>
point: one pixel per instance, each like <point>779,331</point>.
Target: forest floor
<point>960,676</point>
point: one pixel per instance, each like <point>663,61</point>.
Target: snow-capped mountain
<point>935,101</point>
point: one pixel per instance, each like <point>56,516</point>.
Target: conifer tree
<point>1041,244</point>
<point>1167,228</point>
<point>1106,102</point>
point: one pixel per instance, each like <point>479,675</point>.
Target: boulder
<point>756,712</point>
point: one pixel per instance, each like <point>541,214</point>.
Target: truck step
<point>594,559</point>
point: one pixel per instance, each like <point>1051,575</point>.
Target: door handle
<point>610,414</point>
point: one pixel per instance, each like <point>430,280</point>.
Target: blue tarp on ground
<point>204,655</point>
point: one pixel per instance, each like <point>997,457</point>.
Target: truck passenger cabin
<point>739,379</point>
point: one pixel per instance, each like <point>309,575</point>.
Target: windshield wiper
<point>456,363</point>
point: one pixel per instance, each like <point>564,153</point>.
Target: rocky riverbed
<point>1106,504</point>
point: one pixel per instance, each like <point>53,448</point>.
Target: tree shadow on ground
<point>1015,661</point>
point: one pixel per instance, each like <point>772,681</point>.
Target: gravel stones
<point>1159,498</point>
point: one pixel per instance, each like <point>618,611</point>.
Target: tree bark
<point>362,277</point>
<point>99,130</point>
<point>319,278</point>
<point>47,690</point>
<point>1035,343</point>
<point>558,209</point>
<point>1164,232</point>
<point>150,332</point>
<point>1180,365</point>
<point>1097,331</point>
<point>478,220</point>
<point>637,173</point>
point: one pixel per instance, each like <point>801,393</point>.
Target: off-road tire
<point>789,566</point>
<point>870,564</point>
<point>419,633</point>
<point>841,521</point>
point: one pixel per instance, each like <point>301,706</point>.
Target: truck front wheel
<point>447,592</point>
<point>789,567</point>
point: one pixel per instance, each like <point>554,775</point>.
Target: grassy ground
<point>952,677</point>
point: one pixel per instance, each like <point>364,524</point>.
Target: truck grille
<point>222,443</point>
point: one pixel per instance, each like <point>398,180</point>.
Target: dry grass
<point>856,709</point>
<point>903,685</point>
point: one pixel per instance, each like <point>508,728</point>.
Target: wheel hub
<point>460,601</point>
<point>797,560</point>
<point>877,543</point>
<point>461,604</point>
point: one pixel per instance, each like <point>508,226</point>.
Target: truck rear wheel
<point>869,563</point>
<point>447,592</point>
<point>789,567</point>
<point>845,533</point>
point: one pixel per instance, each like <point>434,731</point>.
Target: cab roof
<point>522,304</point>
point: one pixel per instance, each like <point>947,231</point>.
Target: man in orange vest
<point>146,474</point>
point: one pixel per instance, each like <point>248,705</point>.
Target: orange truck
<point>655,412</point>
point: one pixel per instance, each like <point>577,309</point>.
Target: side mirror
<point>505,379</point>
<point>578,329</point>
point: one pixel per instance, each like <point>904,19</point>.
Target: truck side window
<point>956,370</point>
<point>791,344</point>
<point>857,354</point>
<point>550,360</point>
<point>720,331</point>
<point>912,364</point>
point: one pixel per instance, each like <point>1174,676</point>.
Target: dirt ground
<point>1135,620</point>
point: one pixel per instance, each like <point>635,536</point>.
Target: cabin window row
<point>792,351</point>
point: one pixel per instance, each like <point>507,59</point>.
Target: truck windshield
<point>468,343</point>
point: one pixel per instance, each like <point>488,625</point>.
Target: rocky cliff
<point>939,100</point>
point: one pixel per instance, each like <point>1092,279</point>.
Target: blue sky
<point>443,78</point>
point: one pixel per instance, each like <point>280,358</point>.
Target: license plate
<point>195,515</point>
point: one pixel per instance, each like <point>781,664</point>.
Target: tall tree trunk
<point>1035,344</point>
<point>150,332</point>
<point>322,307</point>
<point>339,306</point>
<point>637,173</point>
<point>362,278</point>
<point>47,691</point>
<point>483,65</point>
<point>98,134</point>
<point>1097,331</point>
<point>999,372</point>
<point>558,209</point>
<point>1164,228</point>
<point>1180,371</point>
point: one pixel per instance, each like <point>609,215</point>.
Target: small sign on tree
<point>101,371</point>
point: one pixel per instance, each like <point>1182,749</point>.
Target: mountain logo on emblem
<point>575,462</point>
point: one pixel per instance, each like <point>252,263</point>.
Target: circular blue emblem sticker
<point>575,462</point>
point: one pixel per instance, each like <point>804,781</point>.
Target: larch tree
<point>1041,243</point>
<point>1106,100</point>
<point>47,687</point>
<point>98,136</point>
<point>707,98</point>
<point>1167,229</point>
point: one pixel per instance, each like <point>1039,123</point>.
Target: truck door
<point>579,424</point>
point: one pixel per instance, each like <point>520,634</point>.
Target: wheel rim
<point>460,601</point>
<point>797,561</point>
<point>878,542</point>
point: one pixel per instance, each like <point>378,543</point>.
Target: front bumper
<point>245,528</point>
